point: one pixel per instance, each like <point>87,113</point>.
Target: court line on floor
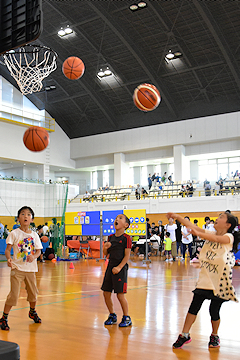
<point>89,296</point>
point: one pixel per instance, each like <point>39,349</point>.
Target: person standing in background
<point>1,230</point>
<point>149,182</point>
<point>171,228</point>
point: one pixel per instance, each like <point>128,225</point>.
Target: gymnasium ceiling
<point>205,80</point>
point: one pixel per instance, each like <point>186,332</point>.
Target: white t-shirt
<point>24,244</point>
<point>217,261</point>
<point>45,230</point>
<point>171,229</point>
<point>211,227</point>
<point>189,238</point>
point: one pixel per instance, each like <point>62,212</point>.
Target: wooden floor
<point>72,309</point>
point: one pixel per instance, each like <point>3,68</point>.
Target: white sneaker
<point>166,260</point>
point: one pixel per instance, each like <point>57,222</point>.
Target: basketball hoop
<point>29,65</point>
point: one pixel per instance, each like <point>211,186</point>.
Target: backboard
<point>20,23</point>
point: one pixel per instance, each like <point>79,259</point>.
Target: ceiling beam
<point>221,42</point>
<point>134,50</point>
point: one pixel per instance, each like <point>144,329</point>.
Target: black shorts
<point>117,282</point>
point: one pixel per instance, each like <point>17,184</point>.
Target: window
<point>105,177</point>
<point>94,180</point>
<point>144,176</point>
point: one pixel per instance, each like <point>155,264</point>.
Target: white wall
<point>162,206</point>
<point>210,134</point>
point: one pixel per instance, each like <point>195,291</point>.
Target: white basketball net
<point>29,65</point>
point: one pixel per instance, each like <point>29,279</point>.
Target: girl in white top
<point>215,278</point>
<point>186,240</point>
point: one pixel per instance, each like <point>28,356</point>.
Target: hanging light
<point>68,30</point>
<point>142,4</point>
<point>61,32</point>
<point>170,55</point>
<point>133,7</point>
<point>107,72</point>
<point>101,73</point>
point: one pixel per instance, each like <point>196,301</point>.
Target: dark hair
<point>195,221</point>
<point>233,220</point>
<point>207,218</point>
<point>228,211</point>
<point>147,219</point>
<point>187,217</point>
<point>25,208</point>
<point>127,220</point>
<point>168,234</point>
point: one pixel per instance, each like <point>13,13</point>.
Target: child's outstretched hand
<point>9,263</point>
<point>171,215</point>
<point>107,245</point>
<point>116,270</point>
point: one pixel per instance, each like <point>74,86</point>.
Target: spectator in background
<point>171,228</point>
<point>164,177</point>
<point>207,188</point>
<point>138,192</point>
<point>220,182</point>
<point>190,190</point>
<point>6,232</point>
<point>86,196</point>
<point>152,228</point>
<point>186,240</point>
<point>149,182</point>
<point>170,180</point>
<point>182,191</point>
<point>148,228</point>
<point>158,178</point>
<point>207,222</point>
<point>161,230</point>
<point>144,192</point>
<point>1,230</point>
<point>16,225</point>
<point>211,226</point>
<point>217,188</point>
<point>179,238</point>
<point>154,179</point>
<point>45,229</point>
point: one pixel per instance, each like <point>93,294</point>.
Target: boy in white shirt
<point>27,247</point>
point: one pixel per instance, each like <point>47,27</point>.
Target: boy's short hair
<point>195,221</point>
<point>127,220</point>
<point>25,208</point>
<point>187,217</point>
<point>167,234</point>
<point>147,219</point>
<point>207,218</point>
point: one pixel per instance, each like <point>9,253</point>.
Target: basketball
<point>73,68</point>
<point>44,239</point>
<point>146,97</point>
<point>51,256</point>
<point>36,138</point>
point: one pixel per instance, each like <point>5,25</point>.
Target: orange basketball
<point>44,239</point>
<point>73,68</point>
<point>36,138</point>
<point>146,97</point>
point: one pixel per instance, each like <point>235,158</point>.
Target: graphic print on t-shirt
<point>26,247</point>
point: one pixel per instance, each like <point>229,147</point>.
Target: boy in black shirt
<point>118,247</point>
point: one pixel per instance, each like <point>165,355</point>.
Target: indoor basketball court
<point>118,87</point>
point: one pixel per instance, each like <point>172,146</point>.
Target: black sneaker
<point>111,320</point>
<point>181,341</point>
<point>214,341</point>
<point>126,321</point>
<point>4,324</point>
<point>34,316</point>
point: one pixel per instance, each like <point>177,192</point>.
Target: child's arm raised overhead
<point>185,222</point>
<point>222,239</point>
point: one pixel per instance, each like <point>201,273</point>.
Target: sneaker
<point>181,341</point>
<point>4,324</point>
<point>34,316</point>
<point>112,319</point>
<point>126,321</point>
<point>166,260</point>
<point>214,341</point>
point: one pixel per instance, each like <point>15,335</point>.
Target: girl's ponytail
<point>236,241</point>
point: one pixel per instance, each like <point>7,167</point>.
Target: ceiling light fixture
<point>107,72</point>
<point>142,4</point>
<point>170,55</point>
<point>133,7</point>
<point>61,32</point>
<point>104,72</point>
<point>68,30</point>
<point>101,73</point>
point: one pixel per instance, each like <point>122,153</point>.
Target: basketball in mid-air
<point>44,239</point>
<point>146,97</point>
<point>36,138</point>
<point>73,68</point>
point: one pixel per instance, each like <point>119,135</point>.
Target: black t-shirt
<point>117,249</point>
